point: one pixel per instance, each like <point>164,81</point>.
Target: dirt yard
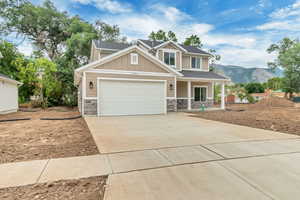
<point>82,189</point>
<point>43,139</point>
<point>274,115</point>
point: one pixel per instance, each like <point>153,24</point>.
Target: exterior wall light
<point>171,86</point>
<point>91,85</point>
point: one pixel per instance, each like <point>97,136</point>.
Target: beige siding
<point>178,54</point>
<point>186,62</point>
<point>106,53</point>
<point>92,77</point>
<point>182,88</point>
<point>203,84</point>
<point>123,63</point>
<point>205,65</point>
<point>170,46</point>
<point>160,55</point>
<point>95,54</point>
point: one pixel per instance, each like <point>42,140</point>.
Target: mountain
<point>240,74</point>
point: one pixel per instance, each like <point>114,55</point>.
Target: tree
<point>275,83</point>
<point>65,40</point>
<point>254,88</point>
<point>288,58</point>
<point>39,75</point>
<point>9,54</point>
<point>161,35</point>
<point>291,60</point>
<point>193,40</point>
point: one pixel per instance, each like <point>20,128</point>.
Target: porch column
<point>189,95</point>
<point>223,95</point>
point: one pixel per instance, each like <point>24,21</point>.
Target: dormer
<point>178,56</point>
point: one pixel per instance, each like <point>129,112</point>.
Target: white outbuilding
<point>8,94</point>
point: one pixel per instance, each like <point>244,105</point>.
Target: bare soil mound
<point>272,102</point>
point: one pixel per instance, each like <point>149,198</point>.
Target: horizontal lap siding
<point>124,63</point>
<point>93,77</point>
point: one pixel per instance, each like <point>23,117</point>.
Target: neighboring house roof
<point>190,49</point>
<point>6,78</point>
<point>202,75</point>
<point>111,45</point>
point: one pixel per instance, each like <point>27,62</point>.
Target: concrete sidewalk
<point>39,171</point>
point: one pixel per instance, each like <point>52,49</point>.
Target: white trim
<point>200,86</point>
<point>144,44</point>
<point>197,70</point>
<point>124,51</point>
<point>189,95</point>
<point>204,79</point>
<point>198,54</point>
<point>129,79</point>
<point>175,87</point>
<point>170,41</point>
<point>90,98</point>
<point>124,72</point>
<point>105,49</point>
<point>10,80</point>
<point>171,98</point>
<point>132,60</point>
<point>180,55</point>
<point>175,56</point>
<point>182,98</point>
<point>83,95</point>
<point>201,64</point>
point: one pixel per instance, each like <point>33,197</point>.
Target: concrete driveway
<point>177,156</point>
<point>131,133</point>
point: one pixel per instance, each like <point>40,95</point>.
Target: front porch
<point>193,94</point>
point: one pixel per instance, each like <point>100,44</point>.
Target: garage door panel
<point>131,97</point>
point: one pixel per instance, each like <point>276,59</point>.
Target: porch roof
<point>203,75</point>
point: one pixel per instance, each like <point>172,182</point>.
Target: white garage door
<point>131,97</point>
<point>8,97</point>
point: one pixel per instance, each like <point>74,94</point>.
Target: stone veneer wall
<point>90,106</point>
<point>171,105</point>
<point>197,104</point>
<point>182,104</point>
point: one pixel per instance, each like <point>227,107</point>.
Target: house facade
<point>8,94</point>
<point>148,77</point>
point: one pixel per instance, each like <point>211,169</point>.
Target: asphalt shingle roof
<point>120,46</point>
<point>201,74</point>
<point>111,45</point>
<point>190,49</point>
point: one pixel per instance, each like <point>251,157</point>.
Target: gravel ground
<point>39,139</point>
<point>82,189</point>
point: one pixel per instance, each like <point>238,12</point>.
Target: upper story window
<point>134,58</point>
<point>196,62</point>
<point>169,58</point>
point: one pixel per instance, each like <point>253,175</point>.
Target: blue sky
<point>240,30</point>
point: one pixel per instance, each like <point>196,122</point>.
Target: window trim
<point>200,58</point>
<point>175,58</point>
<point>200,86</point>
<point>132,55</point>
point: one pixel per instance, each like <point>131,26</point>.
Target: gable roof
<point>6,78</point>
<point>123,52</point>
<point>110,45</point>
<point>189,49</point>
<point>203,75</point>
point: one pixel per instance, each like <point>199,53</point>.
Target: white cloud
<point>291,10</point>
<point>284,19</point>
<point>111,6</point>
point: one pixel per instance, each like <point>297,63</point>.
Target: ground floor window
<point>200,93</point>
